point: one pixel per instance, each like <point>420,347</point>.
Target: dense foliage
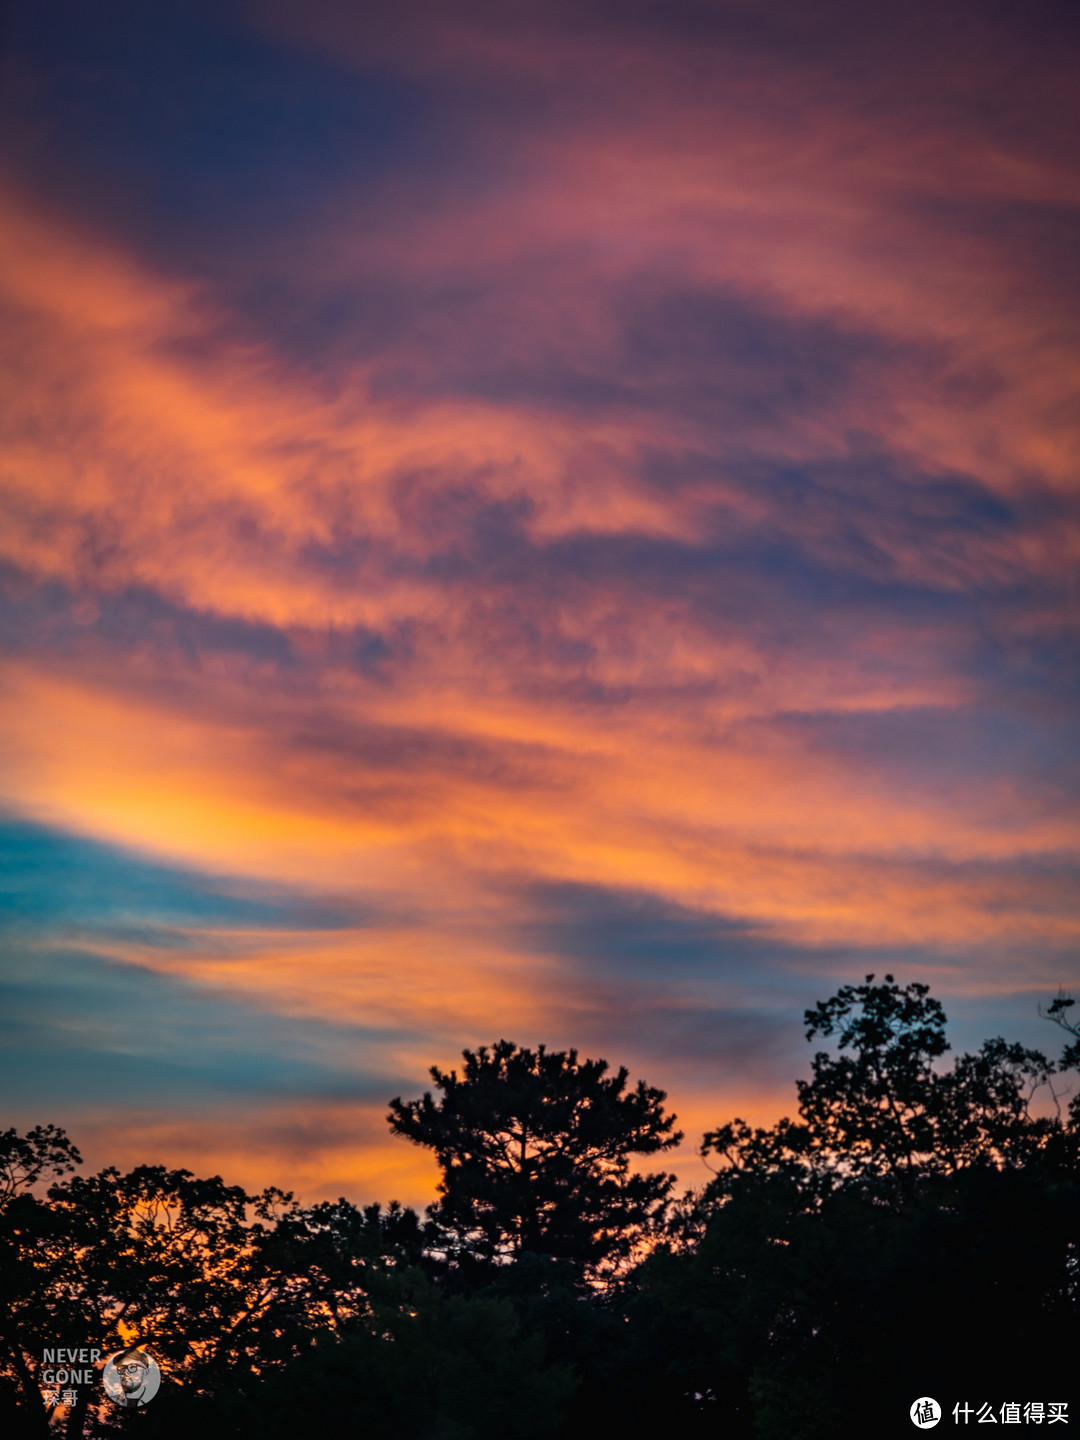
<point>535,1149</point>
<point>916,1229</point>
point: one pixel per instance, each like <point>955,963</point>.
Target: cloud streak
<point>557,524</point>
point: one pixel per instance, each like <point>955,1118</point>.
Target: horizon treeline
<point>914,1231</point>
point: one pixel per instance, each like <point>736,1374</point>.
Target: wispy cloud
<point>557,521</point>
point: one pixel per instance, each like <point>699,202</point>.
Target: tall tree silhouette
<point>535,1148</point>
<point>918,1222</point>
<point>880,1107</point>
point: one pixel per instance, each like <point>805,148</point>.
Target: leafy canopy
<point>880,1107</point>
<point>535,1148</point>
<point>25,1158</point>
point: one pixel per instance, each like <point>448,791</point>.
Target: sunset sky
<point>549,521</point>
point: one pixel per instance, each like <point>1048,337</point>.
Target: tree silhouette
<point>425,1365</point>
<point>25,1158</point>
<point>535,1148</point>
<point>916,1224</point>
<point>879,1107</point>
<point>33,1246</point>
<point>225,1287</point>
<point>915,1220</point>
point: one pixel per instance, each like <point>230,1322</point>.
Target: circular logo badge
<point>131,1378</point>
<point>925,1413</point>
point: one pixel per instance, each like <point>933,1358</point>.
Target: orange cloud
<point>699,526</point>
